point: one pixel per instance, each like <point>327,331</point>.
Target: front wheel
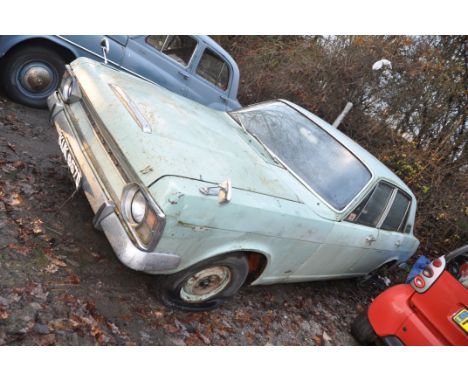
<point>206,285</point>
<point>31,74</point>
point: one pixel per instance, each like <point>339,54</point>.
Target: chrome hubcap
<point>205,284</point>
<point>37,78</point>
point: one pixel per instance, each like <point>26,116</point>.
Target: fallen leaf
<point>205,339</point>
<point>157,314</point>
<point>51,268</point>
<point>73,279</point>
<point>113,328</point>
<point>45,340</point>
<point>3,314</point>
<point>21,249</point>
<point>326,339</point>
<point>317,340</point>
<point>18,164</point>
<point>170,328</point>
<point>11,147</point>
<point>57,262</point>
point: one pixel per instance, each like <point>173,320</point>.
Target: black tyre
<point>206,285</point>
<point>362,330</point>
<point>30,74</point>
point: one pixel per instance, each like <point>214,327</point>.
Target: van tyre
<point>205,285</point>
<point>29,75</point>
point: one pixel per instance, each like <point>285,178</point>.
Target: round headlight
<point>138,207</point>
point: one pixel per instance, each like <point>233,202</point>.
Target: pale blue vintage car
<point>212,200</point>
<point>193,66</point>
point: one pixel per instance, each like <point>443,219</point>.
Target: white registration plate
<point>72,166</point>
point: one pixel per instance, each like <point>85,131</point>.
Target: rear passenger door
<point>211,79</point>
<point>388,213</point>
<point>394,239</point>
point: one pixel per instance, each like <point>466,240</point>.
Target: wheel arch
<point>257,261</point>
<point>51,42</point>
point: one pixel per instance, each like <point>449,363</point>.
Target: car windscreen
<point>322,162</point>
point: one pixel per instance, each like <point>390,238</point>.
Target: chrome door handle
<point>370,239</point>
<point>397,243</point>
<point>185,75</point>
<point>223,98</point>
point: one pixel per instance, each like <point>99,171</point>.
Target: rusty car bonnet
<point>174,136</point>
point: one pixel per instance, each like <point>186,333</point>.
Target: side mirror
<point>105,48</point>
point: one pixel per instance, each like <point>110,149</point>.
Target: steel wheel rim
<point>36,79</point>
<point>205,284</point>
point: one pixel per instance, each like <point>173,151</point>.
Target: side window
<point>214,69</point>
<point>179,48</point>
<point>397,215</point>
<point>372,207</point>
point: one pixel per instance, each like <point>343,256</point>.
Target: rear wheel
<point>362,330</point>
<point>31,74</point>
<point>206,285</point>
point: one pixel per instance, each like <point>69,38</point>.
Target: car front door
<point>163,59</point>
<point>90,46</point>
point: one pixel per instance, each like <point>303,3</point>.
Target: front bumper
<point>107,217</point>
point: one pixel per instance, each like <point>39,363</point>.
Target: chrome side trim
<point>387,207</point>
<point>128,173</point>
<point>132,108</point>
<point>101,57</point>
<point>86,50</point>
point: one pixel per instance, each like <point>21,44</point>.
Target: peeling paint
<point>147,170</point>
<point>175,197</point>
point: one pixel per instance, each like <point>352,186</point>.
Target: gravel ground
<point>61,284</point>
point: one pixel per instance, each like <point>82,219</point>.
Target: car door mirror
<point>105,48</point>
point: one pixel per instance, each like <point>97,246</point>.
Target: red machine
<point>431,310</point>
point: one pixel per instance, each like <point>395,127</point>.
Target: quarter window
<point>371,209</point>
<point>214,69</point>
<point>179,48</point>
<point>396,217</point>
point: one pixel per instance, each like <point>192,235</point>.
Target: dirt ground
<point>61,284</point>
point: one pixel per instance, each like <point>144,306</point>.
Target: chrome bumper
<point>106,217</point>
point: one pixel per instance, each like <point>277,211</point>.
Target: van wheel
<point>206,285</point>
<point>31,74</point>
<point>362,330</point>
